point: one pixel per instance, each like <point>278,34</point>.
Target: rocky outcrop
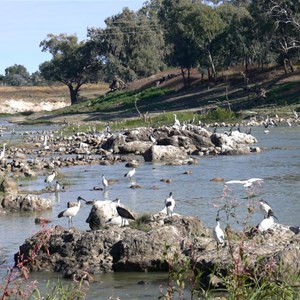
<point>25,203</point>
<point>164,153</point>
<point>111,249</point>
<point>13,201</point>
<point>158,244</point>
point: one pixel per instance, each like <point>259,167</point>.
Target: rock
<point>136,147</point>
<point>113,249</point>
<point>9,186</point>
<point>156,153</point>
<point>25,203</point>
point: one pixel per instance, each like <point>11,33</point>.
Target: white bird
<point>130,173</point>
<point>50,178</point>
<point>71,211</point>
<point>152,139</point>
<point>46,147</point>
<point>267,223</point>
<point>2,154</point>
<point>57,186</point>
<point>264,207</point>
<point>245,183</point>
<point>218,233</point>
<point>295,114</point>
<point>176,122</point>
<point>170,204</point>
<point>104,182</point>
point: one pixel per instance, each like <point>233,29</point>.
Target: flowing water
<point>195,194</point>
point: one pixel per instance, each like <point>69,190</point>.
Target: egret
<point>246,183</point>
<point>267,223</point>
<point>130,173</point>
<point>104,182</point>
<point>46,147</point>
<point>170,204</point>
<point>176,122</point>
<point>50,177</point>
<point>218,233</point>
<point>71,211</point>
<point>2,154</point>
<point>264,207</point>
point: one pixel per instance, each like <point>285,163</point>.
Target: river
<point>278,165</point>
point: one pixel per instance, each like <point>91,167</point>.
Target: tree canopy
<point>73,63</point>
<point>208,35</point>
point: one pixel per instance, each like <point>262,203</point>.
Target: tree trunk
<point>183,76</point>
<point>189,77</point>
<point>285,66</point>
<point>213,69</point>
<point>73,93</point>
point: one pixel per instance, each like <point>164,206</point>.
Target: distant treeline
<point>208,35</point>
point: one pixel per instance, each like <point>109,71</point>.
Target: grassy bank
<point>143,100</point>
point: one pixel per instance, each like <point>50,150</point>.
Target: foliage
<point>220,114</point>
<point>16,75</point>
<point>132,44</point>
<point>142,223</point>
<point>72,63</point>
<point>59,291</point>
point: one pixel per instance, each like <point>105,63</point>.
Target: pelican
<point>130,173</point>
<point>218,233</point>
<point>50,178</point>
<point>267,223</point>
<point>170,204</point>
<point>264,207</point>
<point>2,154</point>
<point>104,182</point>
<point>71,211</point>
<point>245,183</point>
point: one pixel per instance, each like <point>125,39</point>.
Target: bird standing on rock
<point>170,204</point>
<point>71,211</point>
<point>267,223</point>
<point>218,233</point>
<point>130,173</point>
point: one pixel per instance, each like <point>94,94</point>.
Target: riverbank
<point>269,92</point>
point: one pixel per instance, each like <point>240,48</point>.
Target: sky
<point>25,23</point>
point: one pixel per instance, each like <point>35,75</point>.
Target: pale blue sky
<point>25,23</point>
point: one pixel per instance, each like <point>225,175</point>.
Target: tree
<point>16,75</point>
<point>286,15</point>
<point>73,63</point>
<point>184,52</point>
<point>132,44</point>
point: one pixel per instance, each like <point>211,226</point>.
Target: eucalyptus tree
<point>184,51</point>
<point>16,75</point>
<point>73,63</point>
<point>234,44</point>
<point>132,44</point>
<point>191,27</point>
<point>286,15</point>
